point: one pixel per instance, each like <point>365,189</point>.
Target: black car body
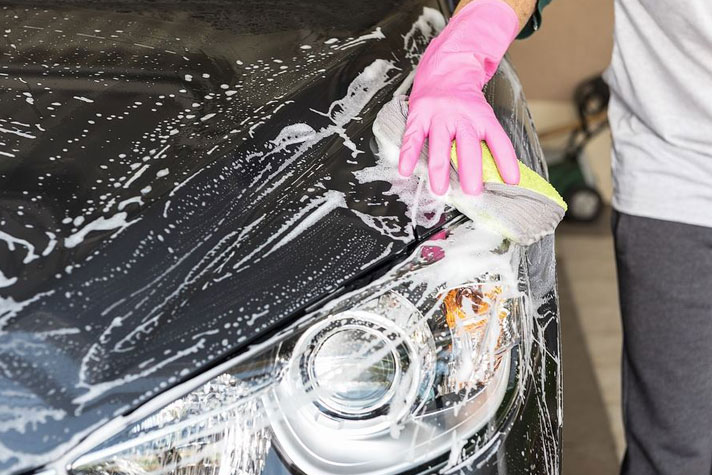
<point>185,186</point>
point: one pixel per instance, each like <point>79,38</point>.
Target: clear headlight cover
<point>381,380</point>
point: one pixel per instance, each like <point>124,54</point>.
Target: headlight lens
<point>357,370</point>
<point>354,365</point>
<point>381,380</point>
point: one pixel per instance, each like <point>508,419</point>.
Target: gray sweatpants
<point>665,285</point>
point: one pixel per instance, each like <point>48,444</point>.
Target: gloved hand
<point>447,103</point>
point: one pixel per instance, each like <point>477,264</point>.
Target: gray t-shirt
<point>661,109</point>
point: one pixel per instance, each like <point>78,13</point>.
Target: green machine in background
<point>569,173</point>
<point>582,197</point>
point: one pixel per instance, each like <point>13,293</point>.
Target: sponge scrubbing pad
<point>529,179</point>
<point>523,213</point>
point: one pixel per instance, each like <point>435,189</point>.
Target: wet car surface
<point>181,180</point>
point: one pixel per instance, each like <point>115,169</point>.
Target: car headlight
<point>382,379</point>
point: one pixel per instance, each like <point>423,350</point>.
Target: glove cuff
<point>484,28</point>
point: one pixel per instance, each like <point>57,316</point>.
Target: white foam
<point>6,281</point>
<point>12,242</point>
<point>117,221</point>
<point>376,34</point>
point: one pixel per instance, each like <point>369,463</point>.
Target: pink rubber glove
<point>447,102</point>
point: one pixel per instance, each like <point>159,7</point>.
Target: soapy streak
<point>99,224</point>
<point>426,27</point>
<point>19,133</point>
<point>161,152</point>
<point>148,322</point>
<point>386,252</point>
<point>376,34</point>
<point>6,281</point>
<point>299,216</point>
<point>123,204</point>
<point>208,263</point>
<point>361,90</point>
<point>50,244</point>
<point>95,390</point>
<point>135,176</point>
<point>213,258</point>
<point>13,241</point>
<point>9,307</point>
<point>332,199</point>
<point>179,186</point>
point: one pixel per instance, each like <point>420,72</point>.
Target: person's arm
<point>447,103</point>
<point>523,8</point>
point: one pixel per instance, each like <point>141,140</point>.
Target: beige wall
<point>574,43</point>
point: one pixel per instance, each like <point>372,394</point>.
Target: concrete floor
<point>591,339</point>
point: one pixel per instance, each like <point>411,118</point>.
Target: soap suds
<point>117,221</point>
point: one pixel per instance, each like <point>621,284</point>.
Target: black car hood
<point>175,185</point>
